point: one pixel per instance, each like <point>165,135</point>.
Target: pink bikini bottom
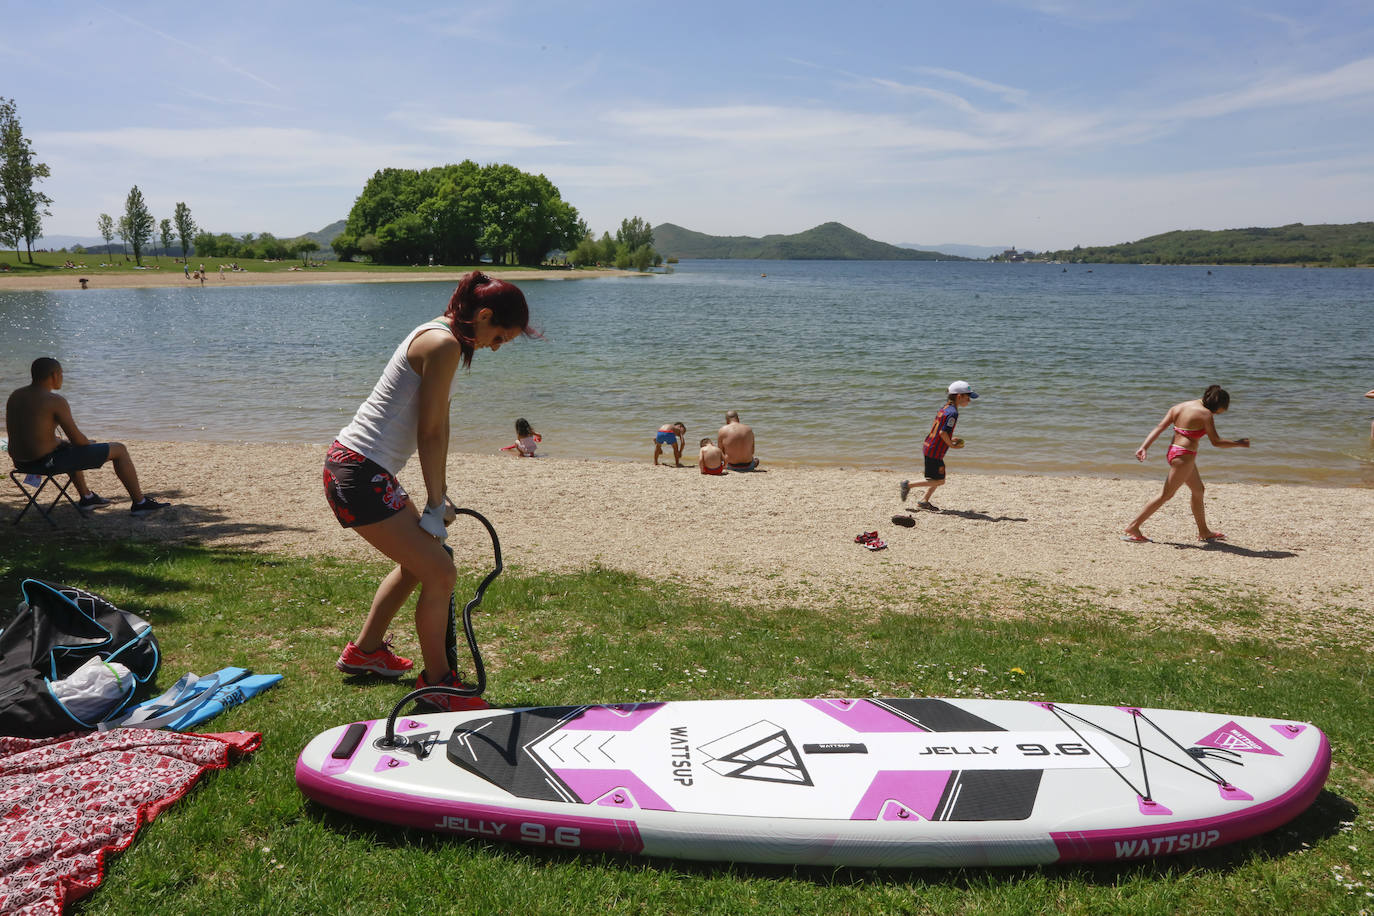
<point>1176,450</point>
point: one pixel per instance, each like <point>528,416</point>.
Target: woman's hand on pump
<point>432,521</point>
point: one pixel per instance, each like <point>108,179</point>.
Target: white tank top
<point>384,428</point>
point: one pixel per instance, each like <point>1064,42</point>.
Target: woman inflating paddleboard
<point>408,411</point>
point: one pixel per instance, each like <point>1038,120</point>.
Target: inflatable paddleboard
<point>895,782</point>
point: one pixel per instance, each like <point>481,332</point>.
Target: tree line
<point>135,229</point>
<point>456,214</point>
<point>1329,245</point>
<point>136,226</point>
<point>632,246</point>
<point>453,214</point>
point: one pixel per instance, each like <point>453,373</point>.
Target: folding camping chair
<point>24,481</point>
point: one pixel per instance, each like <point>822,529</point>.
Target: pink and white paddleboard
<point>895,782</point>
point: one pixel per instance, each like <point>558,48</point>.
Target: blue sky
<point>1035,123</point>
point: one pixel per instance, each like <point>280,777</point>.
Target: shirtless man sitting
<point>33,416</point>
<point>736,440</point>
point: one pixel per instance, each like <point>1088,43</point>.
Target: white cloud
<point>1352,80</point>
<point>260,151</point>
<point>196,49</point>
<point>939,95</point>
<point>475,132</point>
<point>796,132</point>
<point>1007,93</point>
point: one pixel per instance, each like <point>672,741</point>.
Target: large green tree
<point>635,233</point>
<point>22,205</point>
<point>138,223</point>
<point>456,213</point>
<point>186,227</point>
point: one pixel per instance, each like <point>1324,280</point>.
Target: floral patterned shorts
<point>359,490</point>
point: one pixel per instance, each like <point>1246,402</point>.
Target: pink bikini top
<point>1190,433</point>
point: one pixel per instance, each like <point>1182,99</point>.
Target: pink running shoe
<point>383,662</point>
<point>445,702</point>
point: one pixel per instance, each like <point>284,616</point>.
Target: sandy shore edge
<point>169,277</point>
<point>1301,555</point>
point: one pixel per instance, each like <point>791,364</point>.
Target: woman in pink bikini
<point>1191,421</point>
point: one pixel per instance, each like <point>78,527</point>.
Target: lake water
<point>831,362</point>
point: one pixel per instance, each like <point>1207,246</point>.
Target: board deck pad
<point>831,781</point>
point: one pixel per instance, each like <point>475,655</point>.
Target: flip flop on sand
<point>1214,536</point>
<point>905,521</point>
<point>1135,538</point>
<point>865,537</point>
<point>875,544</point>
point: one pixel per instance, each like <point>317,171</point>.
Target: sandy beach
<point>170,276</point>
<point>1300,556</point>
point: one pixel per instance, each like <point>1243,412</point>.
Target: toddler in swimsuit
<point>526,440</point>
<point>711,460</point>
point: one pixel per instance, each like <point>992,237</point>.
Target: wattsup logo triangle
<point>762,752</point>
<point>1231,737</point>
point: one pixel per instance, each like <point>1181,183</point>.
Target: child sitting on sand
<point>670,434</point>
<point>711,460</point>
<point>526,439</point>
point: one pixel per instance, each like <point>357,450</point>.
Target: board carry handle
<point>451,640</point>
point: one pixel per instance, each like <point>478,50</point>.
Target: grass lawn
<point>246,841</point>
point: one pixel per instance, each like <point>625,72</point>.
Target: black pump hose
<point>451,639</point>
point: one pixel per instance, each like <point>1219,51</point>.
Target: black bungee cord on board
<point>451,640</point>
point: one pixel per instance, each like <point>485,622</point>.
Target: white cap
<point>962,388</point>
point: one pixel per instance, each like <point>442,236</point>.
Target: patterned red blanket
<point>66,802</point>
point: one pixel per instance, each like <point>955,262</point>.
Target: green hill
<point>1331,245</point>
<point>828,241</point>
<point>327,234</point>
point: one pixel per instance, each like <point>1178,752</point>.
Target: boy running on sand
<point>941,439</point>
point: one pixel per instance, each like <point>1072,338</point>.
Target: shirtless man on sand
<point>33,415</point>
<point>737,441</point>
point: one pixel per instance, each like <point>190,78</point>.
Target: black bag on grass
<point>57,629</point>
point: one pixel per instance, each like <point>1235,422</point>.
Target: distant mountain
<point>967,251</point>
<point>55,242</point>
<point>1327,245</point>
<point>328,234</point>
<point>828,241</point>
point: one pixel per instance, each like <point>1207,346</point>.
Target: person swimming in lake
<point>1191,421</point>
